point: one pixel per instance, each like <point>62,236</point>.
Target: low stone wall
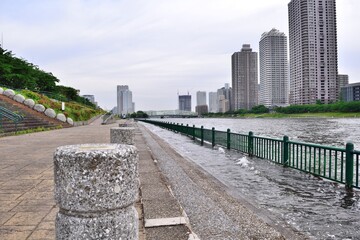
<point>96,186</point>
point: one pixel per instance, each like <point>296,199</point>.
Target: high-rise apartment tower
<point>244,78</point>
<point>313,51</point>
<point>274,81</point>
<point>200,98</point>
<point>125,104</point>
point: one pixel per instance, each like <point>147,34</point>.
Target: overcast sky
<point>157,47</point>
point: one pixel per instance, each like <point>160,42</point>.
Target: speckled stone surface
<point>117,224</point>
<point>39,108</point>
<point>70,121</point>
<point>96,186</point>
<point>1,90</point>
<point>29,102</point>
<point>50,113</point>
<point>19,98</point>
<point>123,135</point>
<point>96,177</point>
<point>61,117</point>
<point>9,93</point>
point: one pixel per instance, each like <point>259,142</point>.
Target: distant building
<point>185,102</point>
<point>224,104</point>
<point>244,78</point>
<point>125,105</point>
<point>201,109</point>
<point>343,80</point>
<point>351,92</point>
<point>213,102</point>
<point>200,98</point>
<point>274,82</point>
<point>313,51</point>
<point>224,95</point>
<point>91,98</point>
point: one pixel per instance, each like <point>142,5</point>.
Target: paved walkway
<point>28,210</point>
<point>27,206</point>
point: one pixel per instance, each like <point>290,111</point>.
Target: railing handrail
<point>334,163</point>
<point>318,146</point>
<point>107,117</point>
<point>10,115</point>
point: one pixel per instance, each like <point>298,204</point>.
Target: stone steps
<point>32,119</point>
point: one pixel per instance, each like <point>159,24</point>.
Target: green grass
<point>76,111</point>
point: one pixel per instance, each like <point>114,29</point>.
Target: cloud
<point>157,47</point>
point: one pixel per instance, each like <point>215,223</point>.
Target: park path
<point>27,206</point>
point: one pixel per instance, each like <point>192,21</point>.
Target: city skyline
<point>158,48</point>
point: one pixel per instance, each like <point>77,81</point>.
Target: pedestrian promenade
<point>27,206</point>
<point>28,210</point>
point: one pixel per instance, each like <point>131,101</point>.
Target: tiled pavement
<point>27,206</point>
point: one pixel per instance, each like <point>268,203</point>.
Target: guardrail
<point>108,118</point>
<point>6,113</point>
<point>337,164</point>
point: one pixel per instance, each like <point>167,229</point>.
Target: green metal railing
<point>6,113</point>
<point>337,164</point>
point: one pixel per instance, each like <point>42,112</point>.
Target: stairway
<point>32,118</point>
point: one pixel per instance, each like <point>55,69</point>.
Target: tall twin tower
<point>313,61</point>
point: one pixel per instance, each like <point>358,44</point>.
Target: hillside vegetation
<point>32,82</point>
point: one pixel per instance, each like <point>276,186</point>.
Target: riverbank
<point>294,115</point>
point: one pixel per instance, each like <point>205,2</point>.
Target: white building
<point>313,51</point>
<point>213,102</point>
<point>200,98</point>
<point>125,104</point>
<point>274,81</point>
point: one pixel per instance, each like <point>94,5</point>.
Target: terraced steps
<point>32,118</point>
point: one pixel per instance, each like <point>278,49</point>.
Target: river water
<point>319,208</point>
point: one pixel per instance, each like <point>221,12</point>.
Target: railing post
<point>228,140</point>
<point>250,143</point>
<point>193,132</point>
<point>187,129</point>
<point>349,171</point>
<point>213,136</point>
<point>202,135</point>
<point>285,157</point>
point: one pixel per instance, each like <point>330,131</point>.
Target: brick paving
<point>27,206</point>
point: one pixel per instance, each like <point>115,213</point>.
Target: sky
<point>159,48</point>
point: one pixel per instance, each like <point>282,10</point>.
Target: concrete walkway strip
<point>160,222</point>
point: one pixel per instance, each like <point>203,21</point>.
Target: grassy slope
<point>74,110</point>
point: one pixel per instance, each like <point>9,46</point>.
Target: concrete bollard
<point>96,186</point>
<point>123,135</point>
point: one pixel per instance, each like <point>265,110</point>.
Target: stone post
<point>96,186</point>
<point>123,135</point>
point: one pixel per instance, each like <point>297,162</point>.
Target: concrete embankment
<point>212,210</point>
